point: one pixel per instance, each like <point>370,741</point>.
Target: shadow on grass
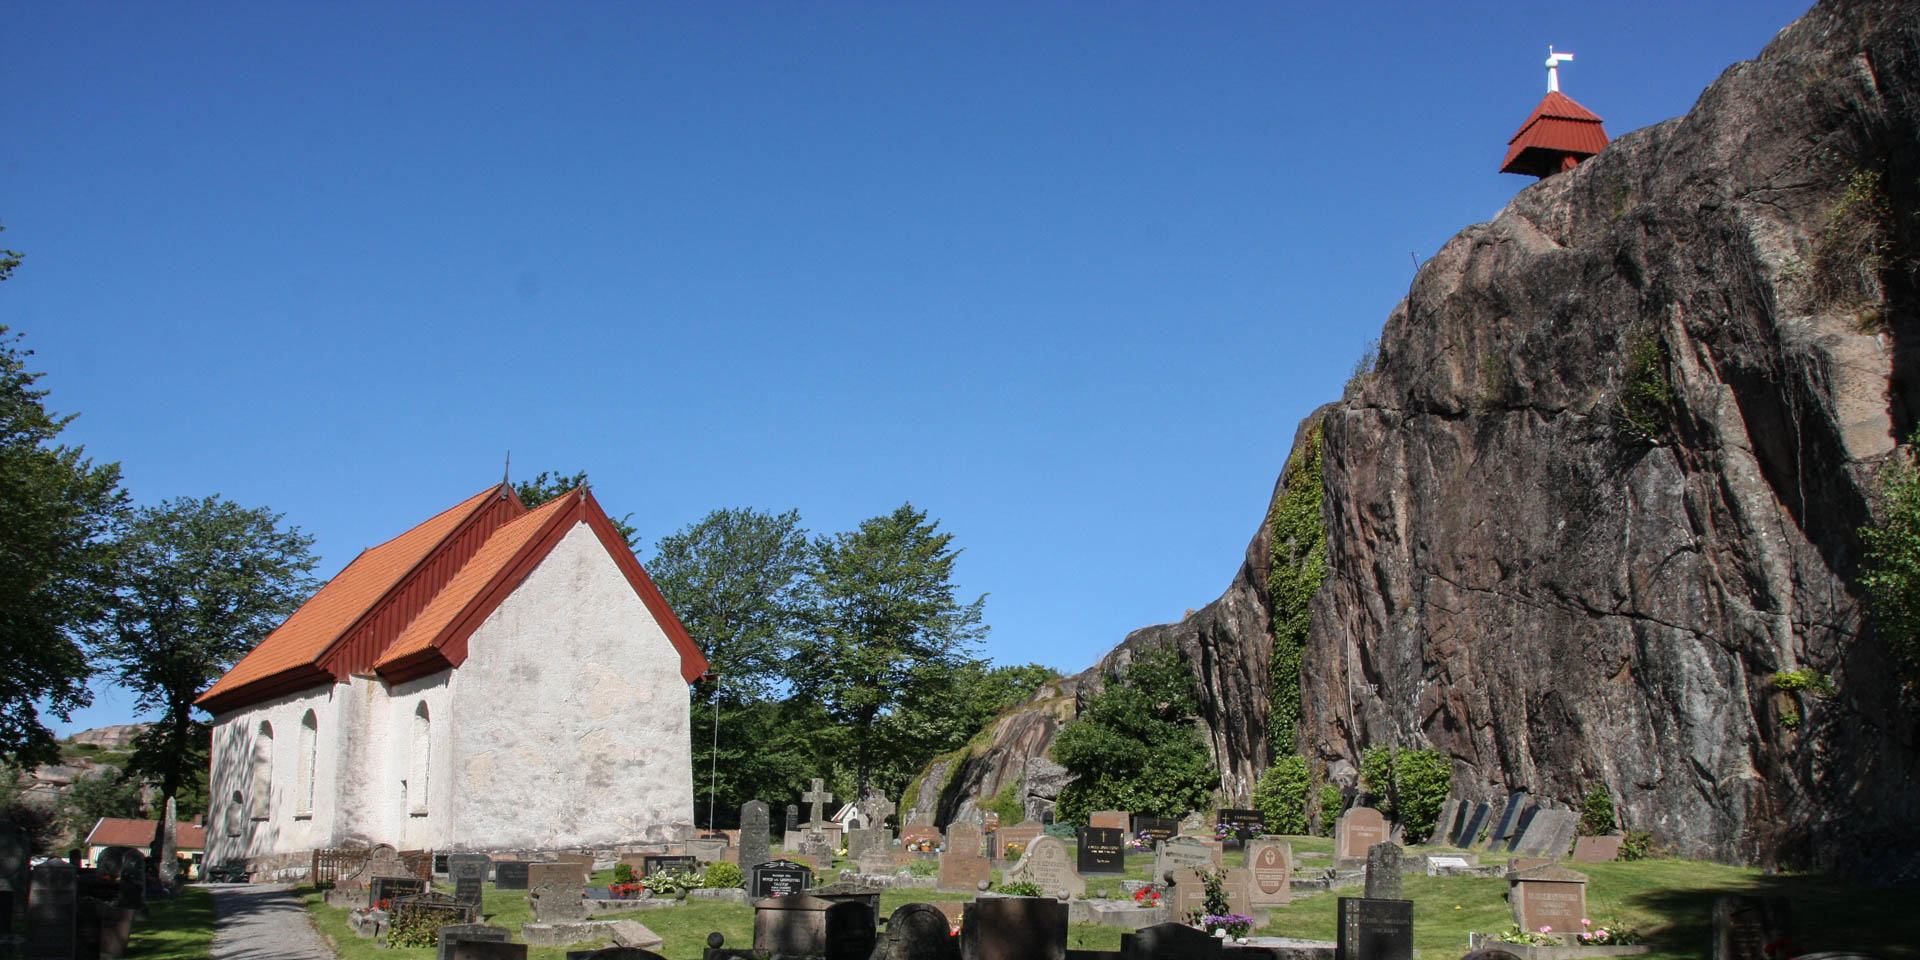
<point>1828,914</point>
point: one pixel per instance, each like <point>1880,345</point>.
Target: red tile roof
<point>1557,129</point>
<point>406,608</point>
<point>124,832</point>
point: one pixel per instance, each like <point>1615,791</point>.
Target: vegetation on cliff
<point>1299,555</point>
<point>1134,747</point>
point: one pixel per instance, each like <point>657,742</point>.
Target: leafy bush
<point>1281,794</point>
<point>1639,845</point>
<point>414,928</point>
<point>1062,830</point>
<point>623,872</point>
<point>1892,562</point>
<point>1646,396</point>
<point>1021,888</point>
<point>1331,803</point>
<point>1133,746</point>
<point>1409,786</point>
<point>1811,681</point>
<point>923,868</point>
<point>1596,812</point>
<point>721,875</point>
<point>1856,244</point>
<point>1007,803</point>
<point>1298,554</point>
<point>1365,367</point>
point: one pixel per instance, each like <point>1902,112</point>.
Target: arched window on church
<point>237,815</point>
<point>303,788</point>
<point>417,756</point>
<point>260,775</point>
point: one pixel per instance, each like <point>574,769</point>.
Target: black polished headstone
<point>652,864</point>
<point>1375,929</point>
<point>1169,941</point>
<point>453,933</point>
<point>1102,850</point>
<point>778,878</point>
<point>1244,824</point>
<point>440,863</point>
<point>510,875</point>
<point>1155,829</point>
<point>16,877</point>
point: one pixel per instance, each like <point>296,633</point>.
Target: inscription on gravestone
<point>440,863</point>
<point>1243,825</point>
<point>1271,862</point>
<point>1048,865</point>
<point>1155,829</point>
<point>1383,871</point>
<point>1375,929</point>
<point>661,864</point>
<point>468,872</point>
<point>778,878</point>
<point>1183,851</point>
<point>510,875</point>
<point>1101,850</point>
<point>1356,831</point>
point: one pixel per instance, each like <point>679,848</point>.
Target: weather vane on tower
<point>1558,135</point>
<point>1554,60</point>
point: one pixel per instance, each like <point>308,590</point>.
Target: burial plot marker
<point>1383,871</point>
<point>1356,831</point>
<point>1375,929</point>
<point>1548,896</point>
<point>510,875</point>
<point>52,912</point>
<point>1102,851</point>
<point>1271,863</point>
<point>778,878</point>
<point>16,878</point>
<point>1048,865</point>
<point>1014,928</point>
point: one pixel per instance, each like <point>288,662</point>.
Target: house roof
<point>1559,128</point>
<point>406,607</point>
<point>125,832</point>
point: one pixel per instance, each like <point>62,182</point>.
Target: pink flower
<point>1546,929</point>
<point>1585,922</point>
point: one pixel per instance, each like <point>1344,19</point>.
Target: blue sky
<point>1066,275</point>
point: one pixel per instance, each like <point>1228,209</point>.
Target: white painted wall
<point>570,714</point>
<point>566,727</point>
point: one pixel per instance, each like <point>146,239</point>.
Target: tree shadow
<point>1828,914</point>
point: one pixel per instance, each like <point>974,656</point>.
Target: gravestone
<point>1271,863</point>
<point>801,924</point>
<point>1102,851</point>
<point>1375,929</point>
<point>1597,849</point>
<point>133,880</point>
<point>1170,941</point>
<point>1155,829</point>
<point>468,871</point>
<point>16,878</point>
<point>918,931</point>
<point>1383,871</point>
<point>555,899</point>
<point>862,840</point>
<point>964,838</point>
<point>963,870</point>
<point>1014,928</point>
<point>793,820</point>
<point>1243,824</point>
<point>1470,826</point>
<point>440,864</point>
<point>1189,892</point>
<point>1183,851</point>
<point>1444,825</point>
<point>453,933</point>
<point>1512,843</point>
<point>754,833</point>
<point>1016,836</point>
<point>1503,826</point>
<point>510,875</point>
<point>1743,927</point>
<point>1048,865</point>
<point>707,849</point>
<point>1357,831</point>
<point>497,950</point>
<point>1548,896</point>
<point>169,843</point>
<point>816,798</point>
<point>652,864</point>
<point>778,878</point>
<point>876,861</point>
<point>88,918</point>
<point>919,833</point>
<point>386,888</point>
<point>1110,819</point>
<point>582,864</point>
<point>1548,833</point>
<point>52,912</point>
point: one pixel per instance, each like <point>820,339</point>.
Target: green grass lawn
<point>178,929</point>
<point>1668,900</point>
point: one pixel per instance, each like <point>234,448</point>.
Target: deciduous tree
<point>548,485</point>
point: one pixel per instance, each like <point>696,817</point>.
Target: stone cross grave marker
<point>755,833</point>
<point>16,878</point>
<point>878,807</point>
<point>918,931</point>
<point>1271,862</point>
<point>1183,851</point>
<point>1048,865</point>
<point>1357,830</point>
<point>1375,929</point>
<point>1102,850</point>
<point>52,912</point>
<point>815,798</point>
<point>1548,896</point>
<point>1014,928</point>
<point>778,878</point>
<point>1383,871</point>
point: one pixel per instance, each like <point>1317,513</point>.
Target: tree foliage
<point>736,579</point>
<point>1133,746</point>
<point>61,511</point>
<point>1407,785</point>
<point>548,485</point>
<point>1892,564</point>
<point>886,626</point>
<point>113,794</point>
<point>201,582</point>
<point>1281,794</point>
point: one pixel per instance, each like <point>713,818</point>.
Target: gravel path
<point>261,921</point>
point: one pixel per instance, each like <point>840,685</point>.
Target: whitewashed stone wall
<point>233,830</point>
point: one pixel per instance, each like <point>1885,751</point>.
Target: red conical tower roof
<point>1559,134</point>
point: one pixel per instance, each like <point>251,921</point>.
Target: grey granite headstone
<point>1520,827</point>
<point>1470,828</point>
<point>553,901</point>
<point>1013,928</point>
<point>1443,825</point>
<point>1503,825</point>
<point>52,912</point>
<point>453,933</point>
<point>865,839</point>
<point>754,834</point>
<point>919,931</point>
<point>468,871</point>
<point>1383,871</point>
<point>169,844</point>
<point>1548,833</point>
<point>1375,929</point>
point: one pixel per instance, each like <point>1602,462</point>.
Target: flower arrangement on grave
<point>1519,934</point>
<point>1013,850</point>
<point>1213,902</point>
<point>670,883</point>
<point>1146,897</point>
<point>1140,843</point>
<point>1227,924</point>
<point>625,891</point>
<point>1610,934</point>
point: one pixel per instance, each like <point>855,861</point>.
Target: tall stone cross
<point>817,796</point>
<point>878,807</point>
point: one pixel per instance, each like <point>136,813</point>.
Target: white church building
<point>494,679</point>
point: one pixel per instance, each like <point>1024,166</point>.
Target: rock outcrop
<point>1606,480</point>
